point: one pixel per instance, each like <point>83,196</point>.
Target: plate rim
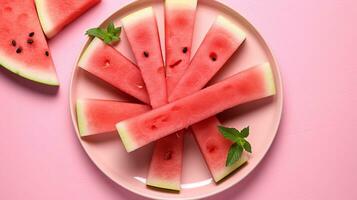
<point>278,79</point>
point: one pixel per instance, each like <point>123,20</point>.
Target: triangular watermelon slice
<point>143,36</point>
<point>23,47</point>
<point>106,63</point>
<point>214,148</point>
<point>55,15</point>
<point>165,171</point>
<point>251,84</point>
<point>99,116</point>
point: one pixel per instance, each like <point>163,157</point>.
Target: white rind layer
<point>269,79</point>
<point>88,53</point>
<point>81,120</point>
<point>16,67</point>
<point>138,16</point>
<point>181,4</point>
<point>46,23</point>
<point>237,33</point>
<point>125,136</point>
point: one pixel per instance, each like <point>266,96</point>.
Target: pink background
<point>313,156</point>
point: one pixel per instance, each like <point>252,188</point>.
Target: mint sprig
<point>109,35</point>
<point>239,143</point>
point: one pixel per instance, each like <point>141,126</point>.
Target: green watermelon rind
<point>219,175</point>
<point>88,52</point>
<point>126,139</point>
<point>269,79</point>
<point>34,75</point>
<point>81,119</point>
<point>46,24</point>
<point>163,184</point>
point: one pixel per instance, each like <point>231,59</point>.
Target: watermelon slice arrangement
<point>175,90</point>
<point>23,45</point>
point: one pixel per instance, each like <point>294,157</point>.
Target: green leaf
<point>108,35</point>
<point>234,154</point>
<point>244,132</point>
<point>247,146</point>
<point>229,133</point>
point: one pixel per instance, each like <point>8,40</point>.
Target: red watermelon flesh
<point>100,116</point>
<point>249,85</point>
<point>214,148</point>
<point>142,33</point>
<point>108,64</point>
<point>179,22</point>
<point>221,41</point>
<point>55,15</point>
<point>23,47</point>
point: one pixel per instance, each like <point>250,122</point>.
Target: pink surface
<point>313,156</point>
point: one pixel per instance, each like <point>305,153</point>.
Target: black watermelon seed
<point>13,43</point>
<point>184,50</point>
<point>31,34</point>
<point>46,53</point>
<point>213,56</point>
<point>146,54</point>
<point>30,41</point>
<point>19,50</point>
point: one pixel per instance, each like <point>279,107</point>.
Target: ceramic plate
<point>130,170</point>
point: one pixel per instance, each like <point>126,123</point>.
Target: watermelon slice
<point>23,47</point>
<point>55,15</point>
<point>214,148</point>
<point>166,163</point>
<point>179,24</point>
<point>221,41</point>
<point>111,66</point>
<point>142,33</point>
<point>252,84</point>
<point>99,116</point>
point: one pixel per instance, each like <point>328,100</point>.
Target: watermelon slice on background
<point>55,15</point>
<point>23,47</point>
<point>221,41</point>
<point>212,146</point>
<point>143,36</point>
<point>249,85</point>
<point>166,163</point>
<point>108,64</point>
<point>100,116</point>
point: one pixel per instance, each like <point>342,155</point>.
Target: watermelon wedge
<point>23,47</point>
<point>179,24</point>
<point>221,41</point>
<point>249,85</point>
<point>166,163</point>
<point>99,116</point>
<point>106,63</point>
<point>214,148</point>
<point>55,15</point>
<point>143,36</point>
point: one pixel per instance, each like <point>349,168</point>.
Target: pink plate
<point>263,117</point>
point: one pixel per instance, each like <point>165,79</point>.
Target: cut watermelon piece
<point>108,64</point>
<point>55,15</point>
<point>23,47</point>
<point>252,84</point>
<point>142,33</point>
<point>99,116</point>
<point>166,164</point>
<point>221,41</point>
<point>179,24</point>
<point>214,148</point>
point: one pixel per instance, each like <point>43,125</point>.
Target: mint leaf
<point>228,133</point>
<point>234,153</point>
<point>247,146</point>
<point>239,143</point>
<point>108,35</point>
